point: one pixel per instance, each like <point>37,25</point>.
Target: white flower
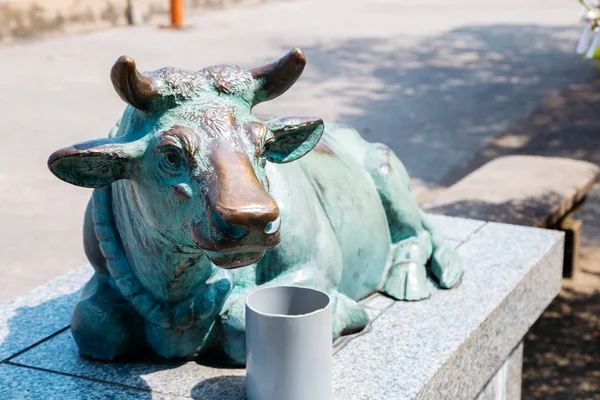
<point>584,40</point>
<point>595,44</point>
<point>589,16</point>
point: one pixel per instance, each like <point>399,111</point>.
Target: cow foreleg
<point>232,330</point>
<point>348,315</point>
<point>104,325</point>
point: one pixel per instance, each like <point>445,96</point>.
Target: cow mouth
<point>235,260</point>
<point>229,253</point>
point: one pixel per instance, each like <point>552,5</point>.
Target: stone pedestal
<point>464,343</point>
<point>505,384</point>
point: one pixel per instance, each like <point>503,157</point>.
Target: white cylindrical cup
<point>288,344</point>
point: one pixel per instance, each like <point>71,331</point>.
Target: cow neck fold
<point>181,315</point>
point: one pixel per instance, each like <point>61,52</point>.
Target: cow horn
<point>134,88</point>
<point>279,76</point>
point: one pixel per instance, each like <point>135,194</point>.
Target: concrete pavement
<point>434,79</point>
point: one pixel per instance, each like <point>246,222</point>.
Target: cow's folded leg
<point>408,224</point>
<point>393,186</point>
<point>406,279</point>
<point>103,323</point>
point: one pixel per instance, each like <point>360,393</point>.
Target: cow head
<point>193,157</point>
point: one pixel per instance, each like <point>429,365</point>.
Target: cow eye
<point>172,159</point>
<point>171,162</point>
<point>267,145</point>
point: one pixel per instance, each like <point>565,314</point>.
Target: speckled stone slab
<point>547,188</point>
<point>18,383</point>
<point>184,379</point>
<point>456,229</point>
<point>447,347</point>
<point>40,313</point>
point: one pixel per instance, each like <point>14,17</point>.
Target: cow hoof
<point>349,316</point>
<point>407,281</point>
<point>446,266</point>
<point>101,330</point>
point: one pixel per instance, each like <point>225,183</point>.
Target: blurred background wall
<point>32,18</point>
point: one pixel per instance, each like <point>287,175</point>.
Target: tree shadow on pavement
<point>562,350</point>
<point>566,124</point>
<point>436,101</point>
<point>527,211</point>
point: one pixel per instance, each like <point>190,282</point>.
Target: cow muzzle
<point>244,219</point>
<point>239,237</point>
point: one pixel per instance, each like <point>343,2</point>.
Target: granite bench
<point>543,192</point>
<point>464,343</point>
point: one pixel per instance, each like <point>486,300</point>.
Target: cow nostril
<point>273,226</point>
<point>233,231</point>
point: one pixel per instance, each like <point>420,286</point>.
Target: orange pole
<point>177,13</point>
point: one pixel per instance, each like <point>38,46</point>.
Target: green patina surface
<point>197,202</point>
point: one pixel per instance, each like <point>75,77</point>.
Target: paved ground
<point>448,86</point>
<point>434,80</point>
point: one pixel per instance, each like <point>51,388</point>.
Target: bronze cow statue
<point>190,187</point>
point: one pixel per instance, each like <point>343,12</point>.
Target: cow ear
<point>95,163</point>
<point>294,137</point>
